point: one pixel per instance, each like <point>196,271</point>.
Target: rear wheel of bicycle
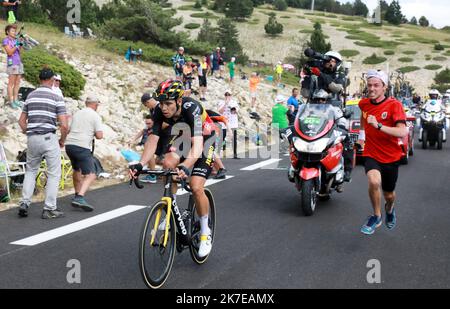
<point>195,226</point>
<point>155,260</point>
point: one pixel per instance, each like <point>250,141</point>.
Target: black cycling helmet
<point>169,90</point>
<point>145,97</point>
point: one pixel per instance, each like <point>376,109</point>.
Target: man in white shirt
<point>57,84</point>
<point>229,108</point>
<point>86,125</point>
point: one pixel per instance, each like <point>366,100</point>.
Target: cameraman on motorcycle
<point>334,81</point>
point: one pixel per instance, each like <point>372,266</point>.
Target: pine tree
<point>280,5</point>
<point>273,27</point>
<point>413,21</point>
<point>423,21</point>
<point>198,4</point>
<point>228,37</point>
<point>207,33</point>
<point>360,9</point>
<point>239,9</point>
<point>394,13</point>
<point>317,41</point>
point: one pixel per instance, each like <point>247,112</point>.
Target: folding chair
<point>6,171</point>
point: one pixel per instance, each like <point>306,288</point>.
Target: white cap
<point>280,99</point>
<point>378,74</point>
<point>279,62</point>
<point>181,48</point>
<point>92,99</point>
<point>57,77</point>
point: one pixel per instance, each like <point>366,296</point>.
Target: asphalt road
<point>262,239</point>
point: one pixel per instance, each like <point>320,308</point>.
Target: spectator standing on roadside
<point>14,66</point>
<point>178,62</point>
<point>86,125</point>
<point>202,78</point>
<point>254,82</point>
<point>279,72</point>
<point>293,104</point>
<point>57,85</point>
<point>229,108</point>
<point>216,62</point>
<point>42,112</point>
<point>222,62</point>
<point>11,7</point>
<point>232,68</point>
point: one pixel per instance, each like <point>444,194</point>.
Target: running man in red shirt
<point>383,124</point>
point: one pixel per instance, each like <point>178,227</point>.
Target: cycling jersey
<point>195,116</point>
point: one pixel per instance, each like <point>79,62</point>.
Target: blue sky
<point>436,11</point>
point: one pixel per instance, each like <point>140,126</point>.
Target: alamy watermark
<point>374,274</point>
<point>74,274</point>
<point>74,13</point>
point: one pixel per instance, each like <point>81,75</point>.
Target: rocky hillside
<point>119,85</point>
<point>407,47</point>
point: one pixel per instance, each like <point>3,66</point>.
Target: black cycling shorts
<point>163,143</point>
<point>202,81</point>
<point>203,167</point>
<point>389,172</point>
<point>81,159</point>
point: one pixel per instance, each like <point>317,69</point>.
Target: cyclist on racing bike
<point>184,115</point>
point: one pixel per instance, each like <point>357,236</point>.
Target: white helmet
<point>334,55</point>
<point>434,91</point>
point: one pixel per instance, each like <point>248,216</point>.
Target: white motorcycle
<point>433,125</point>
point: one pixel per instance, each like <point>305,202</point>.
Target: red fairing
<point>294,159</point>
<point>309,173</point>
<point>308,138</point>
<point>333,157</point>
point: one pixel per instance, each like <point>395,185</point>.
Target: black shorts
<point>81,159</point>
<point>202,81</point>
<point>389,172</point>
<point>203,167</point>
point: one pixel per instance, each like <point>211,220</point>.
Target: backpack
<point>98,166</point>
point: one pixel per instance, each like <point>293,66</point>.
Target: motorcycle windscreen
<point>314,120</point>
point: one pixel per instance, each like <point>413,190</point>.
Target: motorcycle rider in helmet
<point>334,81</point>
<point>433,101</point>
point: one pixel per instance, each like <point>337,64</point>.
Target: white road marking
<point>260,165</point>
<point>77,226</point>
<point>84,224</point>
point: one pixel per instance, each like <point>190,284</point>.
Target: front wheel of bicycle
<point>155,259</point>
<point>195,226</point>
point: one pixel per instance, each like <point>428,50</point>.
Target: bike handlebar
<point>166,173</point>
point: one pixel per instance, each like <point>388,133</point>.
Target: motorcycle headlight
<point>310,147</point>
<point>426,116</point>
<point>439,117</point>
